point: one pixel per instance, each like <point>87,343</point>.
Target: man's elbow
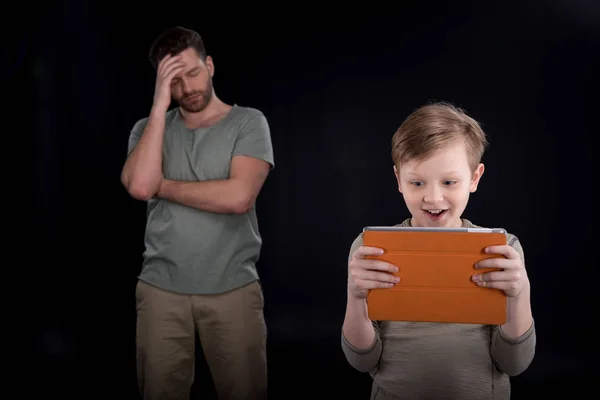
<point>140,194</point>
<point>138,191</point>
<point>242,204</point>
<point>140,188</point>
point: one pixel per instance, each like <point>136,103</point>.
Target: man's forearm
<point>519,316</point>
<point>225,196</point>
<point>142,173</point>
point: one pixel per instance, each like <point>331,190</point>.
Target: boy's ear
<point>397,175</point>
<point>476,177</point>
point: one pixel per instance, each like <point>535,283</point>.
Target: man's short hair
<point>173,41</point>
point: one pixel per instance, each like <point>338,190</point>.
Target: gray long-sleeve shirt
<point>416,360</point>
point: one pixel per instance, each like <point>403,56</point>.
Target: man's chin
<point>193,108</point>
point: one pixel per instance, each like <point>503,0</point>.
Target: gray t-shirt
<point>196,252</point>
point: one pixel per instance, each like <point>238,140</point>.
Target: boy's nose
<point>433,196</point>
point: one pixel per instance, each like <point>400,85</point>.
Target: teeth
<point>435,211</point>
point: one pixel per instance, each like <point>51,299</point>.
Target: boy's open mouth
<point>435,214</point>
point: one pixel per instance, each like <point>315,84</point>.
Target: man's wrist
<point>158,111</point>
<point>163,188</point>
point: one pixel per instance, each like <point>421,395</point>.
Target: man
<point>200,166</point>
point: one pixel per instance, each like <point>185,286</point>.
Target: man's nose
<point>185,86</point>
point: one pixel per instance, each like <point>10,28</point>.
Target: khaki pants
<point>232,331</point>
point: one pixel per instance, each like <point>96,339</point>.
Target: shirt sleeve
<point>254,139</point>
<point>513,355</point>
<point>364,360</point>
<point>136,134</point>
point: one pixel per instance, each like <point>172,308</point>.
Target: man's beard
<point>199,103</point>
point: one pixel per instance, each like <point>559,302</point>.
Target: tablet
<point>435,268</point>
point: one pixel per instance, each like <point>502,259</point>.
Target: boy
<point>437,155</point>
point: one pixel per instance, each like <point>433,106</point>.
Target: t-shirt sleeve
<point>254,139</point>
<point>364,360</point>
<point>513,355</point>
<point>136,134</point>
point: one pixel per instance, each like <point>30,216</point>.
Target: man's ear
<point>210,65</point>
<point>397,175</point>
<point>476,177</point>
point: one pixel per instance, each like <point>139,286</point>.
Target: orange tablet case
<point>435,268</point>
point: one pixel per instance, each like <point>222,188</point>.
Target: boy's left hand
<point>513,276</point>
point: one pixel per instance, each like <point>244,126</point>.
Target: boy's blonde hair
<point>434,126</point>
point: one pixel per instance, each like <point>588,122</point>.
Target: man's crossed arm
<point>235,195</point>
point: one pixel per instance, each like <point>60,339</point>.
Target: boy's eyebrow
<point>445,173</point>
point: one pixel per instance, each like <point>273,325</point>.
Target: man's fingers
<point>169,58</point>
<point>167,63</point>
<point>165,58</point>
<point>172,70</point>
<point>164,62</point>
<point>170,74</point>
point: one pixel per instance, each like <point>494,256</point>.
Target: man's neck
<point>213,113</point>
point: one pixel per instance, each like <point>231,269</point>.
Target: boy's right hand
<point>168,67</point>
<point>366,274</point>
